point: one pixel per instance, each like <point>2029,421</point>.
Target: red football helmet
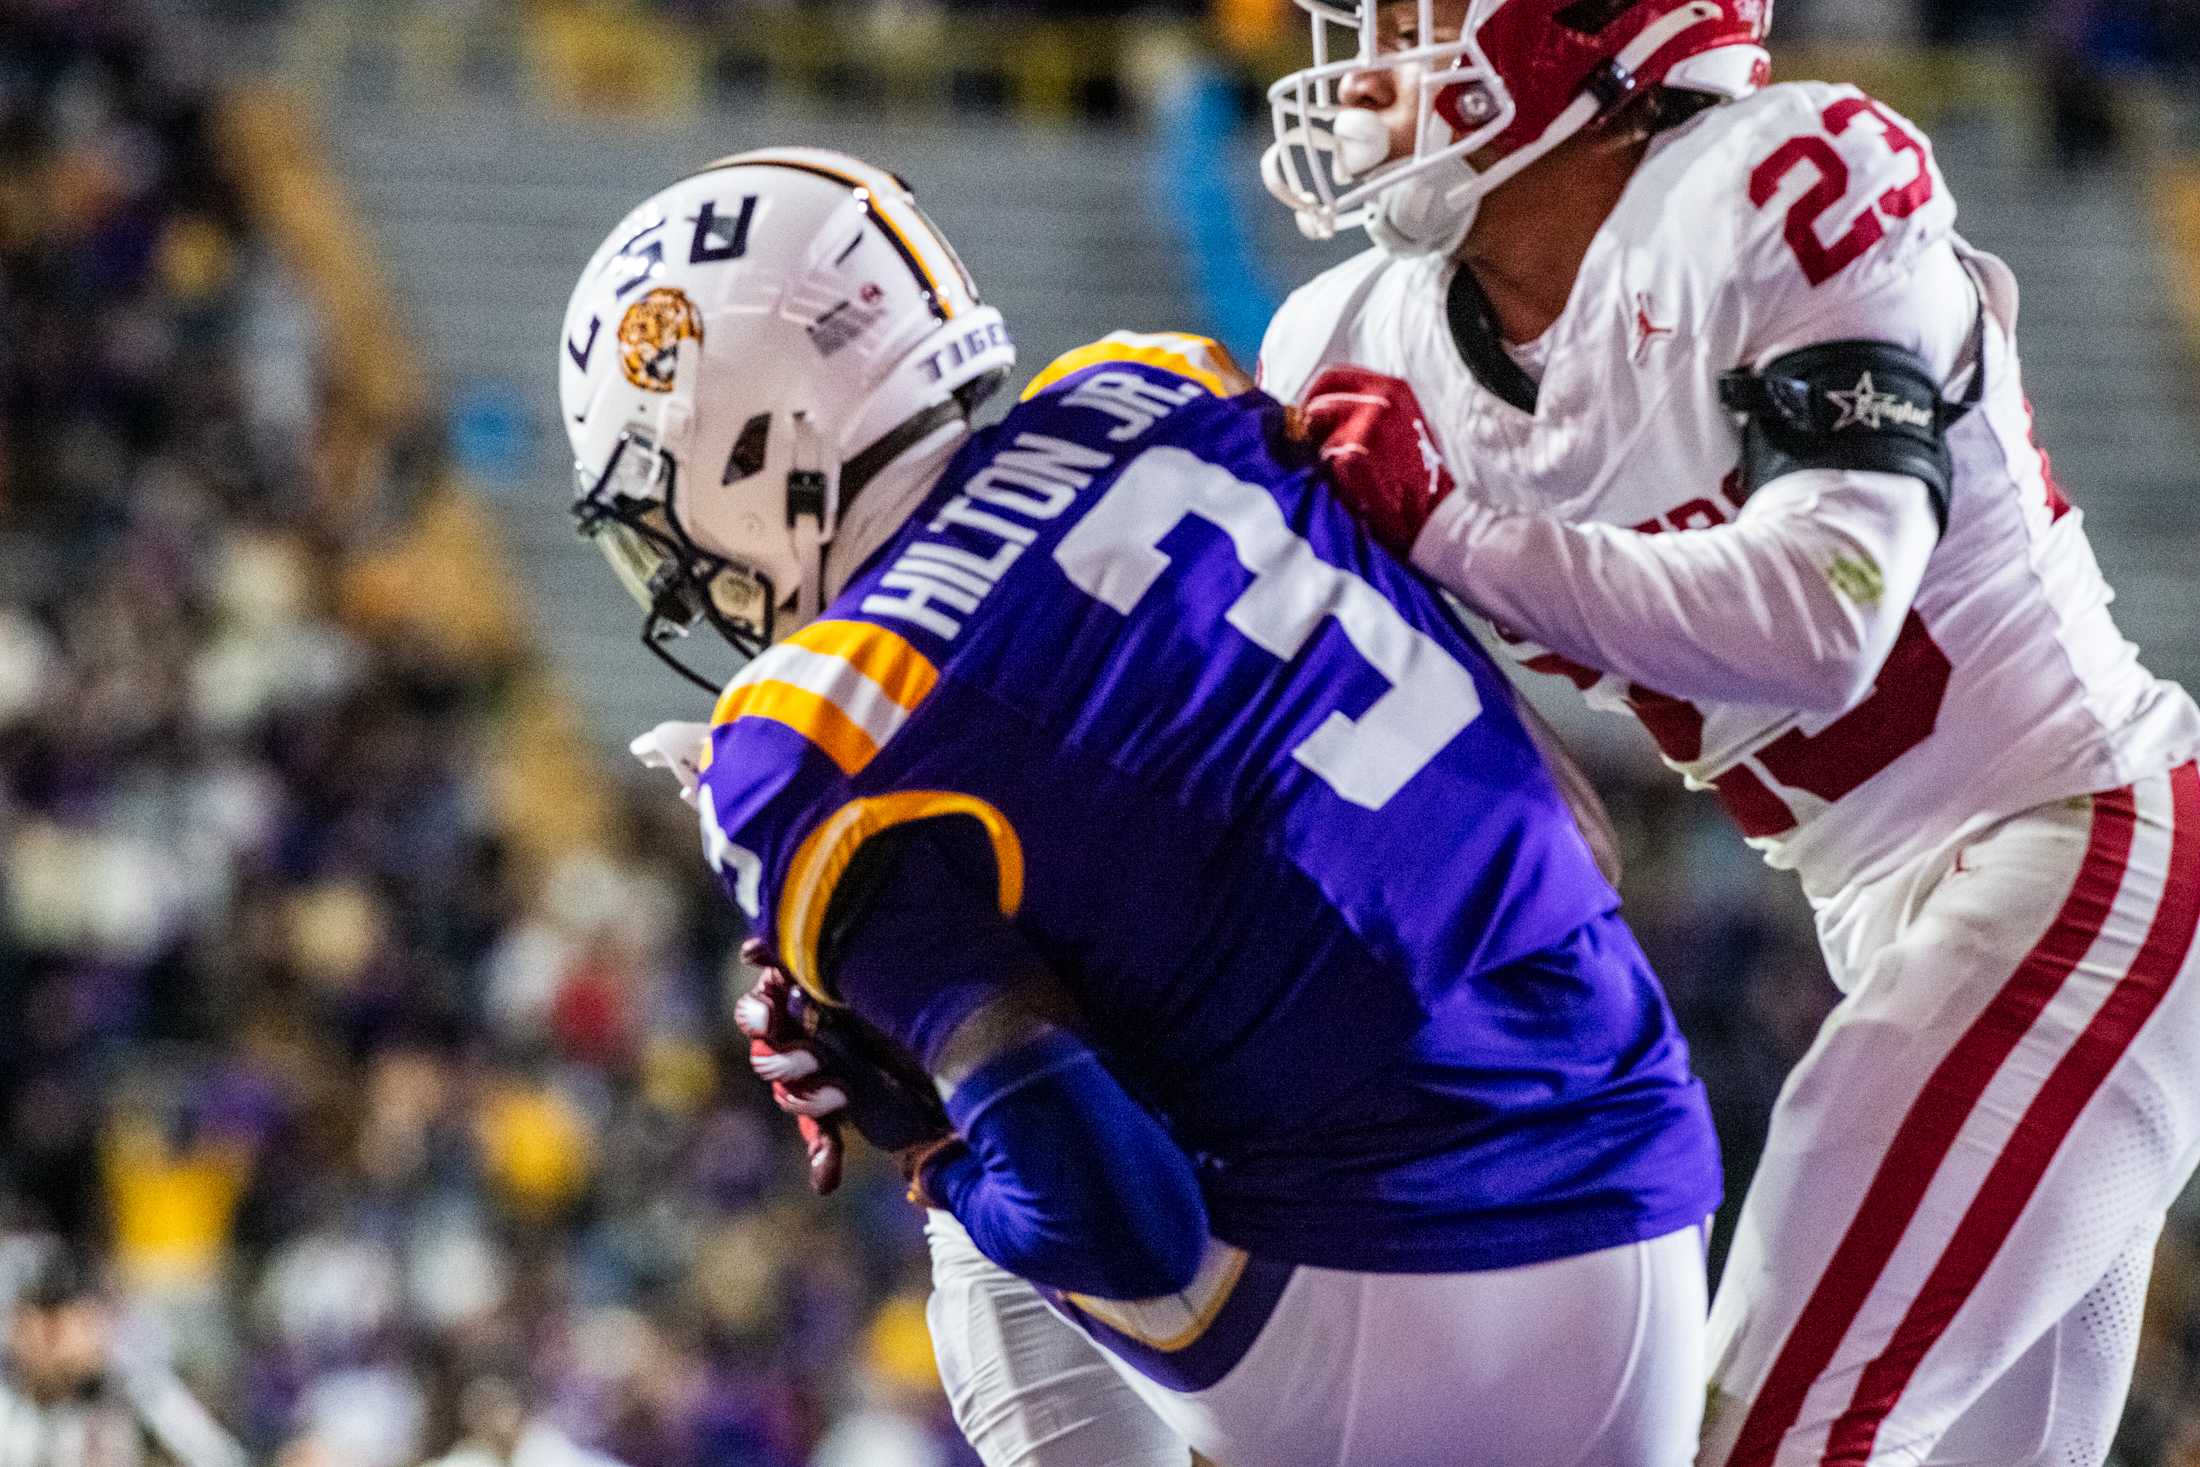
<point>1502,80</point>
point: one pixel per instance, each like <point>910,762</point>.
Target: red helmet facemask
<point>1511,82</point>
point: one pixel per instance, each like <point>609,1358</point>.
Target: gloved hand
<point>1371,436</point>
<point>780,1056</point>
<point>677,747</point>
<point>829,1070</point>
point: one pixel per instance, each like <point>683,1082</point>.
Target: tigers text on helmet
<point>1496,85</point>
<point>742,356</point>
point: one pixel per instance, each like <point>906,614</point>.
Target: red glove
<point>781,1057</point>
<point>830,1070</point>
<point>1369,432</point>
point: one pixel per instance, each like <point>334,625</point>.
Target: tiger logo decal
<point>650,335</point>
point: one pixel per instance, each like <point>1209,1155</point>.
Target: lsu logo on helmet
<point>650,335</point>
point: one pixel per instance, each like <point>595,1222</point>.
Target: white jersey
<point>1802,215</point>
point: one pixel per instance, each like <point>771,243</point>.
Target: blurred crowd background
<point>333,1095</point>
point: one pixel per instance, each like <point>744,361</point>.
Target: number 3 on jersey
<point>1822,260</point>
<point>1113,555</point>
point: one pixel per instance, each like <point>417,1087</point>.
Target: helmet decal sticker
<point>847,321</point>
<point>892,232</point>
<point>581,351</point>
<point>718,239</point>
<point>650,335</point>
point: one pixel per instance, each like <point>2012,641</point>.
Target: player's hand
<point>780,1055</point>
<point>829,1070</point>
<point>1371,436</point>
<point>677,748</point>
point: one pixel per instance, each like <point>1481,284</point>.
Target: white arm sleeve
<point>1796,604</point>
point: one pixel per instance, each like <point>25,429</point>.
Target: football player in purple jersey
<point>1099,775</point>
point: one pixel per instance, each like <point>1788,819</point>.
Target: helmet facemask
<point>1332,170</point>
<point>1330,161</point>
<point>631,513</point>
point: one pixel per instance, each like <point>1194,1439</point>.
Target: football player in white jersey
<point>1725,422</point>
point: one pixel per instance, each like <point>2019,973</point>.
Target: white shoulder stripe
<point>836,680</point>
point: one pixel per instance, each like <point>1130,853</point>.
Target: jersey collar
<point>1474,332</point>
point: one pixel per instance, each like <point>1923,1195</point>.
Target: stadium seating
<point>358,1003</point>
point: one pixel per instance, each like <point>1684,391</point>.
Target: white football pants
<point>1943,1257</point>
<point>1595,1361</point>
<point>1030,1389</point>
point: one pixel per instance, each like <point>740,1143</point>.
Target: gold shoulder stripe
<point>817,719</point>
<point>846,686</point>
<point>905,675</point>
<point>823,859</point>
<point>1194,357</point>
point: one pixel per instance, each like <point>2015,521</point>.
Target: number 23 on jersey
<point>1814,154</point>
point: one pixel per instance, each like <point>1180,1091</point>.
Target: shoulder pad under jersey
<point>1763,213</point>
<point>1194,358</point>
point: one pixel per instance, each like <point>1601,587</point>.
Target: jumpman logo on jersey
<point>1647,331</point>
<point>1431,461</point>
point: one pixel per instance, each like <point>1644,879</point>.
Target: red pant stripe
<point>2046,1125</point>
<point>1928,1132</point>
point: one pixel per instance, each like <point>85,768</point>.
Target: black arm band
<point>1858,406</point>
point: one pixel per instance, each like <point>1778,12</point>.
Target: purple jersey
<point>1254,796</point>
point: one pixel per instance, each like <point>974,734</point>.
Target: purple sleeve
<point>1067,1181</point>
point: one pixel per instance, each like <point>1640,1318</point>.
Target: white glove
<point>679,748</point>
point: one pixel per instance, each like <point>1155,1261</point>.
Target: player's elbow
<point>1140,1243</point>
<point>1832,660</point>
<point>1848,662</point>
<point>1071,1183</point>
<point>1857,676</point>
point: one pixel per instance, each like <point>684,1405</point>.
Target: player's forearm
<point>1794,605</point>
<point>1067,1181</point>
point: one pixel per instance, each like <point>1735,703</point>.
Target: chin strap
<point>858,474</point>
<point>815,514</point>
<point>865,466</point>
<point>809,543</point>
<point>811,516</point>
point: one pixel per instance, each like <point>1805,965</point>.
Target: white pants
<point>1030,1389</point>
<point>1943,1257</point>
<point>1594,1361</point>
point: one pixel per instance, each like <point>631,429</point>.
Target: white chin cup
<point>1363,143</point>
<point>1355,144</point>
<point>1428,214</point>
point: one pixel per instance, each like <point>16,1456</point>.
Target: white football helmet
<point>742,356</point>
<point>1496,85</point>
